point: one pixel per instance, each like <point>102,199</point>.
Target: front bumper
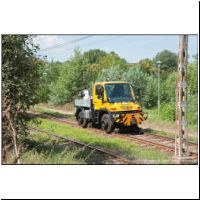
<point>128,118</point>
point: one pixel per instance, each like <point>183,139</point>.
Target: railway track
<point>147,140</point>
<point>118,158</point>
<point>165,144</point>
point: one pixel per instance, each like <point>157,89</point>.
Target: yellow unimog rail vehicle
<point>112,104</point>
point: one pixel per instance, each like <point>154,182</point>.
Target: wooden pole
<point>181,146</point>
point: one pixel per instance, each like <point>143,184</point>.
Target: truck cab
<point>111,104</point>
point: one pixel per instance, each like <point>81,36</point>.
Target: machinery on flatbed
<point>112,104</point>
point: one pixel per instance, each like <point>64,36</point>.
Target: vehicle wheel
<point>106,123</point>
<point>137,130</point>
<point>81,121</point>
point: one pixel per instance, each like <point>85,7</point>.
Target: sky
<point>130,47</point>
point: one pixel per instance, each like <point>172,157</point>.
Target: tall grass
<point>127,148</point>
<point>41,149</point>
<point>162,119</point>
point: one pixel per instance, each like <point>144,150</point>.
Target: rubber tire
<point>81,121</point>
<point>106,124</point>
<point>137,130</point>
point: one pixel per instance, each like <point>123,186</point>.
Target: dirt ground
<point>64,109</point>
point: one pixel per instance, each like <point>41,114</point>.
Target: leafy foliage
<point>147,65</point>
<point>168,111</point>
<point>192,77</point>
<point>169,60</point>
<point>113,73</point>
<point>192,109</point>
<point>65,80</point>
<point>71,79</point>
<point>112,59</point>
<point>93,56</point>
<point>21,75</point>
<point>168,88</point>
<point>78,73</point>
<point>144,82</point>
<point>26,80</point>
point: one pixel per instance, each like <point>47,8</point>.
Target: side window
<point>127,90</point>
<point>98,89</point>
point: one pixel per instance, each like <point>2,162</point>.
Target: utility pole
<point>181,144</point>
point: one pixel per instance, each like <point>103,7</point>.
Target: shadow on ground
<point>129,130</point>
<point>149,130</point>
<point>55,148</point>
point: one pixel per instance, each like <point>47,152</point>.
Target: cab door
<point>97,96</point>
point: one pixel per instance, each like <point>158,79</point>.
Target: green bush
<point>139,79</point>
<point>63,81</point>
<point>113,73</point>
<point>145,82</point>
<point>168,111</point>
<point>192,109</point>
<point>168,88</point>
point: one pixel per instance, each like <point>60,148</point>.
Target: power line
<point>67,50</point>
<point>65,43</point>
<point>70,49</point>
<point>88,44</point>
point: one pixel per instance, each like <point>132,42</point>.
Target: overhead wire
<point>79,46</point>
<point>65,43</point>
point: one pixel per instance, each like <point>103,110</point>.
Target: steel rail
<point>141,141</point>
<point>89,146</point>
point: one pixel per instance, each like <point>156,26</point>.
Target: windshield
<point>119,92</point>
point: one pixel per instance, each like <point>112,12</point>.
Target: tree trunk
<point>9,133</point>
<point>14,136</point>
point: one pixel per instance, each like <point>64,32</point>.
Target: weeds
<point>129,149</point>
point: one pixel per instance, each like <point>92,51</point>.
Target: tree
<point>96,60</point>
<point>168,88</point>
<point>147,65</point>
<point>21,75</point>
<point>112,59</point>
<point>192,82</point>
<point>169,60</point>
<point>192,77</point>
<point>93,56</point>
<point>49,77</point>
<point>135,76</point>
<point>72,78</point>
<point>113,73</point>
<point>91,60</point>
<point>144,82</point>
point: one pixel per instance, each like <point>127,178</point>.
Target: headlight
<point>115,115</point>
